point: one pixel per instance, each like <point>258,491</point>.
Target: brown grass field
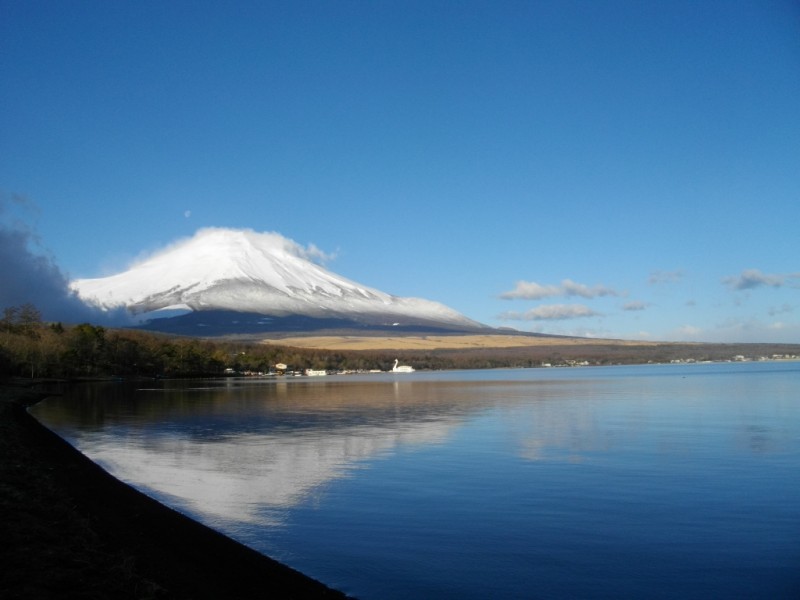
<point>515,350</point>
<point>440,342</point>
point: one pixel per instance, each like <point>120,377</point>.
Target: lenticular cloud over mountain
<point>250,272</point>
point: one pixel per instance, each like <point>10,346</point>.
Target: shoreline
<point>70,529</point>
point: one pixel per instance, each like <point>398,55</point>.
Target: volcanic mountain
<point>244,281</point>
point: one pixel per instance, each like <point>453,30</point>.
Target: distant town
<point>281,369</point>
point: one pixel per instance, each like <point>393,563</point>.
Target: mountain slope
<point>259,273</point>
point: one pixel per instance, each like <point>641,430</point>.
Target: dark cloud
<point>29,274</point>
<point>753,278</point>
<point>661,277</point>
<point>635,305</point>
<point>780,310</point>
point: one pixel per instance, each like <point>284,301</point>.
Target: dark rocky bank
<point>70,530</point>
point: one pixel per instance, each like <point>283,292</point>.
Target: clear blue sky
<point>610,168</point>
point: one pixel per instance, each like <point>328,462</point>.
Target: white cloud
<point>754,278</point>
<point>313,253</point>
<point>551,312</point>
<point>738,331</point>
<point>689,332</point>
<point>310,252</point>
<point>530,290</point>
<point>684,333</point>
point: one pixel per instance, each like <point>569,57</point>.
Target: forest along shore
<point>71,530</point>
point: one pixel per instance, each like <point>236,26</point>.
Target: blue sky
<point>612,169</point>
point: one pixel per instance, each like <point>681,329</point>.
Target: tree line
<point>32,348</point>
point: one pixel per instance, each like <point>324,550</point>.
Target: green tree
<point>29,320</point>
<point>86,346</point>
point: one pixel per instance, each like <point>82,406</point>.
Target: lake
<point>672,481</point>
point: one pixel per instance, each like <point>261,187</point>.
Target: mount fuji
<point>242,281</point>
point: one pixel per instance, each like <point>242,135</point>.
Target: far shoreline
<point>71,529</point>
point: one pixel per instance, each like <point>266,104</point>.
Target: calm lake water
<point>674,481</point>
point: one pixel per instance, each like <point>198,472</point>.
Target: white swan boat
<point>401,368</point>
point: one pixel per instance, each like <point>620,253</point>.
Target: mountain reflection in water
<point>593,482</point>
<point>237,450</point>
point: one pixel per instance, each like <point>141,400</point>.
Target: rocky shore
<point>70,530</point>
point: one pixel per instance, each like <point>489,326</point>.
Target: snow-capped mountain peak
<point>248,271</point>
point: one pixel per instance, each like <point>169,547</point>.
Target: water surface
<point>650,481</point>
